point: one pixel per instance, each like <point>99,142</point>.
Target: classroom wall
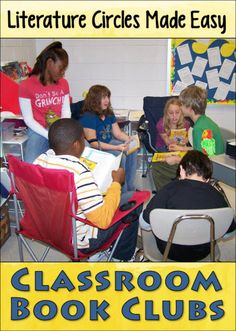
<point>131,68</point>
<point>18,50</point>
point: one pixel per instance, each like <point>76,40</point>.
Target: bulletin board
<point>208,63</point>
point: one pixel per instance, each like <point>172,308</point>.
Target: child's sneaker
<point>99,257</point>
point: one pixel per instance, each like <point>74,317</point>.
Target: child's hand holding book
<point>132,144</point>
<point>118,176</point>
<point>176,147</point>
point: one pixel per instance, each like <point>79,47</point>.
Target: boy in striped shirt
<point>66,140</point>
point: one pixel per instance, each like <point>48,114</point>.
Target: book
<point>178,136</point>
<point>25,70</point>
<point>133,145</point>
<point>101,165</point>
<point>161,156</point>
<point>13,70</point>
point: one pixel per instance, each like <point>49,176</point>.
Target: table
<point>224,169</point>
<point>11,141</point>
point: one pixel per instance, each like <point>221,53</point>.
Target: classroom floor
<point>9,251</point>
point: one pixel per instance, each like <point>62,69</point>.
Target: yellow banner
<point>118,19</point>
<point>117,296</point>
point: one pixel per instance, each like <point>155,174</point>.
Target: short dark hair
<point>63,133</point>
<point>195,162</point>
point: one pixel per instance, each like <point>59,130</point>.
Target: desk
<point>224,169</point>
<point>11,141</point>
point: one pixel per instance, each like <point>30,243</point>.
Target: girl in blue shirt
<point>103,132</point>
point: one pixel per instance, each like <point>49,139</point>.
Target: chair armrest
<point>139,197</point>
<point>144,225</point>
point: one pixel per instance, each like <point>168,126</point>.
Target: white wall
<point>131,68</point>
<point>223,115</point>
<point>18,50</point>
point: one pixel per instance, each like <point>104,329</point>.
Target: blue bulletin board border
<point>200,48</point>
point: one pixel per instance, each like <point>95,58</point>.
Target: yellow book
<point>90,164</point>
<point>134,144</point>
<point>161,157</point>
<point>178,136</point>
<point>101,164</point>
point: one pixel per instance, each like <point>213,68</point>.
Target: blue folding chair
<point>153,110</point>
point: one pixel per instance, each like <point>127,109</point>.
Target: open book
<point>161,156</point>
<point>178,136</point>
<point>134,144</point>
<point>101,164</point>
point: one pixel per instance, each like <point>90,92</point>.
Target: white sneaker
<point>99,257</point>
<point>116,260</point>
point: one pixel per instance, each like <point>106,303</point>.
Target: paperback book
<point>133,145</point>
<point>101,164</point>
<point>161,157</point>
<point>178,136</point>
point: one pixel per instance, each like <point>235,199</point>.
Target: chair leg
<point>145,161</point>
<point>114,246</point>
<point>29,249</point>
<point>20,246</point>
<point>45,254</point>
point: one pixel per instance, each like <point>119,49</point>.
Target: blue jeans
<point>36,145</point>
<point>129,164</point>
<point>127,243</point>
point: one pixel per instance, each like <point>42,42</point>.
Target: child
<point>206,136</point>
<point>192,191</point>
<point>173,118</point>
<point>102,131</point>
<point>66,138</point>
<point>206,133</point>
<point>44,97</point>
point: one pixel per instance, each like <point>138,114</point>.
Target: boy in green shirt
<point>207,137</point>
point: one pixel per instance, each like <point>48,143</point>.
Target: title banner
<point>118,19</point>
<point>117,296</point>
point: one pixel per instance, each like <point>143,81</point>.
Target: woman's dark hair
<point>92,102</point>
<point>195,162</point>
<point>53,51</point>
<point>63,133</point>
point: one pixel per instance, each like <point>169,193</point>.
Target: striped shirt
<point>88,195</point>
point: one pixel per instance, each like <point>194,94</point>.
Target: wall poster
<point>208,63</point>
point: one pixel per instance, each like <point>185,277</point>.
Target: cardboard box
<point>4,224</point>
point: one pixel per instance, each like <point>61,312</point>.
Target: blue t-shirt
<point>103,128</point>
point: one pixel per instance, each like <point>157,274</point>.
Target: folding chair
<point>76,108</point>
<point>50,203</point>
<point>186,227</point>
<point>153,110</point>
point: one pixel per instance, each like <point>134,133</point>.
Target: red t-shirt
<point>46,101</point>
